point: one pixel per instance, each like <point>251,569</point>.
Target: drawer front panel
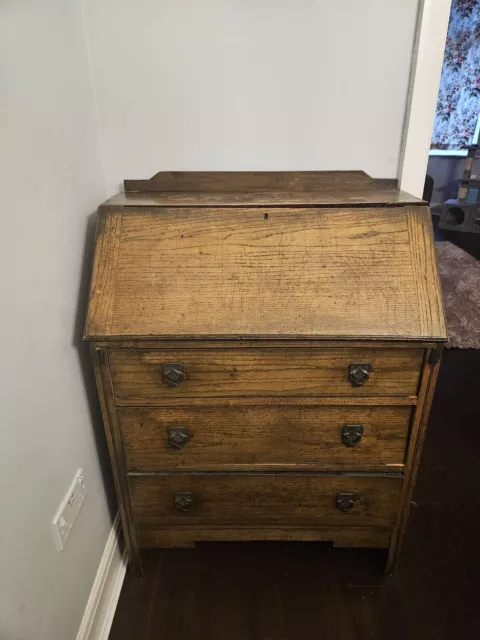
<point>289,499</point>
<point>240,436</point>
<point>149,376</point>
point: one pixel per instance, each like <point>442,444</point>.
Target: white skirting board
<point>102,602</point>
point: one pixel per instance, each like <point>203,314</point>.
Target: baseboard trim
<point>102,602</point>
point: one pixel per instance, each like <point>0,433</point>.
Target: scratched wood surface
<point>237,436</point>
<point>361,198</point>
<point>258,272</point>
<point>250,181</point>
<point>137,374</point>
<point>265,286</point>
<point>286,499</point>
<point>310,591</point>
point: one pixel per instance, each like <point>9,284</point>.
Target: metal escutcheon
<point>183,501</point>
<point>173,373</point>
<point>177,437</point>
<point>345,501</point>
<point>352,434</point>
<point>359,373</point>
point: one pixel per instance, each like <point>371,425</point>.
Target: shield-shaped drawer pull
<point>183,501</point>
<point>177,437</point>
<point>352,434</point>
<point>345,501</point>
<point>359,373</point>
<point>173,373</point>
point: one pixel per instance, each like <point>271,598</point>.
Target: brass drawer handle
<point>359,373</point>
<point>345,501</point>
<point>183,501</point>
<point>177,437</point>
<point>173,373</point>
<point>352,434</point>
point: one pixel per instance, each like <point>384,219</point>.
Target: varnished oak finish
<point>417,439</point>
<point>255,343</point>
<point>300,273</point>
<point>113,437</point>
<point>272,188</point>
<point>272,199</point>
<point>309,591</point>
<point>250,182</point>
<point>240,324</point>
<point>255,499</point>
<point>347,401</point>
<point>282,437</point>
<point>137,374</point>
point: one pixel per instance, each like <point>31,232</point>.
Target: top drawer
<point>150,376</point>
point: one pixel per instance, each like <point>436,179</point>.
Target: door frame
<point>427,61</point>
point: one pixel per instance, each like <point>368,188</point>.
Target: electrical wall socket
<point>68,511</point>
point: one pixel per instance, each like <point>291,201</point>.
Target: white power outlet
<point>68,511</point>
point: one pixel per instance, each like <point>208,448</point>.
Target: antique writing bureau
<point>265,347</point>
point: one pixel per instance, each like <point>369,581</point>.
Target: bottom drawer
<point>285,500</point>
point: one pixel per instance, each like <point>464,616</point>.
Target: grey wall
<point>250,84</point>
<point>51,181</point>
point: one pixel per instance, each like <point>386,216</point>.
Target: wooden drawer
<point>149,376</point>
<point>238,434</point>
<point>253,499</point>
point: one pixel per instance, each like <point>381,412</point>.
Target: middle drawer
<point>236,434</point>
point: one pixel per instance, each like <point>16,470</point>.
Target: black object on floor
<point>310,591</point>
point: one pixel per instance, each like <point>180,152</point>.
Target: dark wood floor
<point>309,591</point>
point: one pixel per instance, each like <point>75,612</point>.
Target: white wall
<point>250,84</point>
<point>51,181</point>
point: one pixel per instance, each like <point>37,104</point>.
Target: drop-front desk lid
<point>265,255</point>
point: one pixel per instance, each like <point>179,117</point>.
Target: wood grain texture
<point>424,264</point>
<point>309,591</point>
<point>304,273</point>
<point>137,374</point>
<point>262,499</point>
<point>344,401</point>
<point>250,181</point>
<point>272,199</point>
<point>419,429</point>
<point>351,536</point>
<point>237,343</point>
<point>238,436</point>
<point>107,247</point>
<point>115,452</point>
<point>265,287</point>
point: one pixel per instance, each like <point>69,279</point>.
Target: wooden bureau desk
<point>265,347</point>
